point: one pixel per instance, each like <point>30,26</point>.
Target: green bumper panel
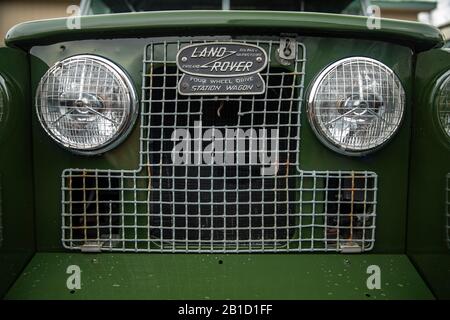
<point>144,24</point>
<point>240,276</point>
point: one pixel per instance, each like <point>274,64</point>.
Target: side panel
<point>430,164</point>
<point>16,179</point>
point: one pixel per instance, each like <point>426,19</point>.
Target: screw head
<point>79,104</point>
<point>184,59</point>
<point>258,59</point>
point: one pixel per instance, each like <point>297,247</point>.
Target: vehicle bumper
<point>237,276</point>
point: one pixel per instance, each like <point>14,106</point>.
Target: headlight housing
<point>442,102</point>
<point>356,105</point>
<point>86,103</point>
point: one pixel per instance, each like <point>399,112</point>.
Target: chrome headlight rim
<point>123,131</point>
<point>316,127</point>
<point>439,86</point>
<point>4,101</point>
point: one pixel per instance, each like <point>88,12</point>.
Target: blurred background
<point>435,12</point>
<point>13,12</point>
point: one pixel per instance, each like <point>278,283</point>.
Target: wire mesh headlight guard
<point>356,105</point>
<point>87,104</point>
<point>442,103</point>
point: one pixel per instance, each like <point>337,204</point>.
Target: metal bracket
<point>91,247</point>
<point>350,247</point>
<point>287,50</point>
<point>288,47</point>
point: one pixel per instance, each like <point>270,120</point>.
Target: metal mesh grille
<point>359,104</point>
<point>235,204</point>
<point>443,101</point>
<point>83,102</point>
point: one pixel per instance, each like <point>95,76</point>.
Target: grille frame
<point>132,183</point>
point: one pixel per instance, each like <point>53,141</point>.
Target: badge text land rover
<point>267,151</point>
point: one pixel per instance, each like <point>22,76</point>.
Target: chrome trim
<point>3,100</point>
<point>127,125</point>
<point>311,92</point>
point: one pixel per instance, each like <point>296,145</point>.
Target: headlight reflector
<point>443,104</point>
<point>85,103</point>
<point>356,105</point>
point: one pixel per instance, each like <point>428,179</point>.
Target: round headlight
<point>356,105</point>
<point>442,100</point>
<point>86,103</point>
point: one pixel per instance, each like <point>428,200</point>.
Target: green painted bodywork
<point>17,243</point>
<point>430,164</point>
<point>404,226</point>
<point>194,276</point>
<point>416,35</point>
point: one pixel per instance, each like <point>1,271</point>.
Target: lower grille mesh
<point>334,211</point>
<point>221,201</point>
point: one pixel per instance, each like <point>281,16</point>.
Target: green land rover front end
<point>229,154</point>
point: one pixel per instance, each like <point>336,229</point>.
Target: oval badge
<point>221,59</point>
